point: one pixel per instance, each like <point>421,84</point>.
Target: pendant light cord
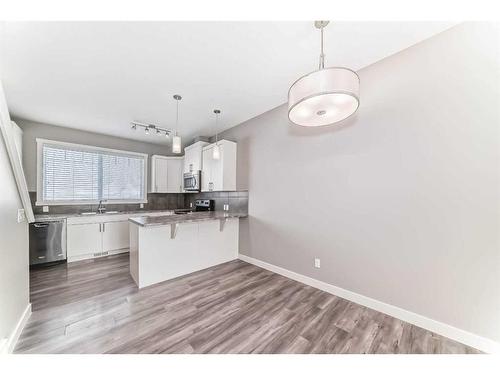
<point>322,55</point>
<point>177,118</point>
<point>216,127</point>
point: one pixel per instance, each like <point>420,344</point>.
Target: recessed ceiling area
<point>100,76</point>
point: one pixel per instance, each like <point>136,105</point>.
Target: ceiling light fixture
<point>325,96</point>
<point>148,128</point>
<point>216,148</point>
<point>176,139</point>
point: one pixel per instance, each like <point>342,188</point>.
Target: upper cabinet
<point>219,174</point>
<point>193,156</point>
<point>166,174</point>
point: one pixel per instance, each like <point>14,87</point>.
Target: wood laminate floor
<point>94,307</point>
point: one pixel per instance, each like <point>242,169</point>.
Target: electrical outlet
<point>317,263</point>
<point>20,215</point>
<point>45,208</point>
<point>191,205</point>
<point>141,205</point>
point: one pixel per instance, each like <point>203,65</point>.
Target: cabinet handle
<point>40,225</point>
<point>104,227</point>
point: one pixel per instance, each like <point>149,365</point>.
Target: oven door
<point>191,182</point>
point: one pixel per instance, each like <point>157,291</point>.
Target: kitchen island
<point>165,247</point>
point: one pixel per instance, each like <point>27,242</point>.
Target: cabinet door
<point>216,171</point>
<point>206,172</point>
<point>174,176</point>
<point>115,236</point>
<point>160,183</point>
<point>83,239</point>
<point>190,160</point>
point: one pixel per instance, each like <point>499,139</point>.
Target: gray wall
<point>401,202</point>
<point>14,278</point>
<point>33,130</point>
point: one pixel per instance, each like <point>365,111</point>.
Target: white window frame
<point>40,142</point>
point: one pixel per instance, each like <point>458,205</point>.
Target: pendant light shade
<point>216,152</point>
<point>176,144</point>
<point>216,148</point>
<point>176,139</point>
<point>324,96</point>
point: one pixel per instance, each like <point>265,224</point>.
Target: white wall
<point>401,202</point>
<point>14,270</point>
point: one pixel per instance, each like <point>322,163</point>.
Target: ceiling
<point>99,76</point>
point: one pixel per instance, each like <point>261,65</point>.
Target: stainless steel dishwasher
<point>47,241</point>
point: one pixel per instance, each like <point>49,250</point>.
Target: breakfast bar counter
<point>165,247</point>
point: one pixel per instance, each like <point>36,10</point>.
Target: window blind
<point>74,173</point>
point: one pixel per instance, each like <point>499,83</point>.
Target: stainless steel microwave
<point>192,181</point>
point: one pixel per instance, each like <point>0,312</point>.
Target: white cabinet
<point>83,240</point>
<point>159,176</point>
<point>99,235</point>
<point>193,156</point>
<point>174,176</point>
<point>219,174</point>
<point>166,174</point>
<point>115,236</point>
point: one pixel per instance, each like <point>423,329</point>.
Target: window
<point>76,174</point>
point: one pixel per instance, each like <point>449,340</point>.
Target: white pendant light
<point>216,148</point>
<point>325,96</point>
<point>176,139</point>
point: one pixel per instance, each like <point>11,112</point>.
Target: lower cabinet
<point>88,240</point>
<point>83,240</point>
<point>115,236</point>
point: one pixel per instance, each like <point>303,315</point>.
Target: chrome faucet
<point>101,209</point>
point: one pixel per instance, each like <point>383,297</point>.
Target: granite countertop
<point>151,221</point>
<point>53,217</point>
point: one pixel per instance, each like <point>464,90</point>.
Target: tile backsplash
<point>237,201</point>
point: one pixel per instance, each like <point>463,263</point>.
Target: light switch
<point>20,215</point>
<point>141,205</point>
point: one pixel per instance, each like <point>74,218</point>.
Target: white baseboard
<point>9,344</point>
<point>443,329</point>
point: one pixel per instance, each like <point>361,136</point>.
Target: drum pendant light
<point>325,96</point>
<point>216,148</point>
<point>176,139</point>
